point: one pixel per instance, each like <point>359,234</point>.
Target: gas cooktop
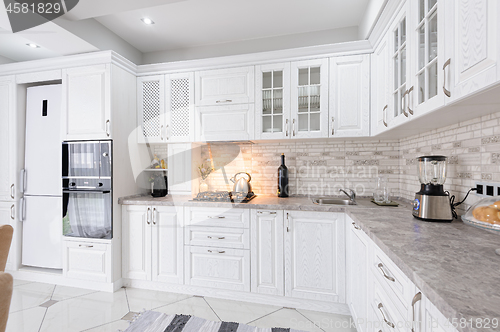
<point>224,196</point>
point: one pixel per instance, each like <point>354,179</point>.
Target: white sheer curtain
<point>90,215</point>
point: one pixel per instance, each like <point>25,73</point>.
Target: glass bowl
<point>484,214</point>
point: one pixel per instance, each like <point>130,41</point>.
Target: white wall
<point>373,11</point>
<point>4,60</point>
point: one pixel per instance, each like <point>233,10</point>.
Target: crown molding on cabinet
<point>304,53</point>
<point>382,24</point>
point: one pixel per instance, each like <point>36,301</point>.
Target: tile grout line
<point>211,308</point>
<point>264,316</point>
<point>91,328</point>
<point>53,291</point>
<point>172,303</point>
<point>41,323</point>
<point>126,297</point>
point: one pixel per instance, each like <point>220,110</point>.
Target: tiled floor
<point>38,307</point>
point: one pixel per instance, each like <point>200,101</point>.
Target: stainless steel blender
<point>432,203</point>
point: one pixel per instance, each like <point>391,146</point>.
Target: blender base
<point>432,208</point>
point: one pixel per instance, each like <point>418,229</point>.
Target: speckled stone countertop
<point>453,264</point>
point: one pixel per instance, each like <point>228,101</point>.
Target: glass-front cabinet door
<point>272,95</point>
<point>309,98</point>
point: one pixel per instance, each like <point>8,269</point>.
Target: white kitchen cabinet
<point>267,252</point>
<point>272,101</point>
<point>225,123</point>
<point>472,47</point>
<point>427,318</point>
<point>224,86</point>
<point>8,150</point>
<point>179,168</point>
<point>358,259</point>
<point>309,98</point>
<point>86,103</point>
<point>166,108</point>
<point>8,217</point>
<point>152,246</point>
<point>90,261</point>
<point>380,87</point>
<point>350,96</point>
<point>315,255</point>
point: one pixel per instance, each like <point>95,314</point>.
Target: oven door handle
<point>86,191</point>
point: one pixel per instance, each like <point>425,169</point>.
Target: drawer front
<point>218,268</point>
<point>230,218</point>
<point>87,261</point>
<point>236,238</point>
<point>223,123</point>
<point>386,314</point>
<point>393,280</point>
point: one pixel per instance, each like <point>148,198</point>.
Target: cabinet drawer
<point>393,280</point>
<point>218,268</point>
<point>232,218</point>
<point>386,313</point>
<point>225,123</point>
<point>236,238</point>
<point>87,261</point>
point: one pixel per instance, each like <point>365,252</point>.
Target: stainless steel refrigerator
<point>41,179</point>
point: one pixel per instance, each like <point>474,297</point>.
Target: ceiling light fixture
<point>147,21</point>
<point>32,45</point>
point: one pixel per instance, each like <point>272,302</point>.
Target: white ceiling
<point>181,24</point>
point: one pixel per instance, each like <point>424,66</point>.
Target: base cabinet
<point>88,261</point>
<point>8,217</point>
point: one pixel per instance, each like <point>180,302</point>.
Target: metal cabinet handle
<point>216,217</point>
<point>166,132</point>
<point>154,216</point>
<point>12,193</point>
<point>23,181</point>
<point>224,101</point>
<point>409,95</point>
<point>216,251</point>
<point>12,213</point>
<point>107,128</point>
<point>286,126</point>
<point>287,223</point>
<point>446,64</point>
<point>381,267</point>
<point>356,226</point>
<point>380,307</point>
<point>23,209</point>
<point>333,130</point>
<point>384,115</point>
<point>161,132</point>
<point>266,212</point>
<point>85,246</point>
<point>416,298</point>
<point>293,127</point>
<point>216,237</point>
<point>147,216</point>
<point>403,100</point>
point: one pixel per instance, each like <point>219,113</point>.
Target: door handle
<point>380,307</point>
<point>85,246</point>
<point>107,128</point>
<point>381,268</point>
<point>416,298</point>
<point>12,213</point>
<point>12,192</point>
<point>147,216</point>
<point>216,217</point>
<point>216,237</point>
<point>384,115</point>
<point>293,127</point>
<point>216,251</point>
<point>446,91</point>
<point>333,130</point>
<point>266,213</point>
<point>161,132</point>
<point>409,95</point>
<point>287,223</point>
<point>154,216</point>
<point>403,100</point>
<point>23,209</point>
<point>166,132</point>
<point>286,126</point>
<point>356,226</point>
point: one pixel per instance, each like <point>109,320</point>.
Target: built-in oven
<point>87,189</point>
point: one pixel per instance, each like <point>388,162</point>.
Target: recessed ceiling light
<point>147,21</point>
<point>32,45</point>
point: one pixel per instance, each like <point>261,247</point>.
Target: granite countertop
<point>453,264</point>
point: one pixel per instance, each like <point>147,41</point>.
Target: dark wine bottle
<point>282,178</point>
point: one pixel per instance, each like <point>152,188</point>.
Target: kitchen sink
<point>332,201</point>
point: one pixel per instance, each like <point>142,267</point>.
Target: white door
<point>350,96</point>
<point>225,123</point>
<point>309,98</point>
<point>357,273</point>
<point>380,87</point>
<point>136,245</point>
<point>8,217</point>
<point>167,244</point>
<point>151,109</point>
<point>272,101</point>
<point>7,142</point>
<point>87,103</point>
<point>473,47</point>
<point>314,256</point>
<point>42,232</point>
<point>179,110</point>
<point>179,168</point>
<point>267,252</point>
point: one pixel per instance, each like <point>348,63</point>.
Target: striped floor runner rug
<point>152,321</point>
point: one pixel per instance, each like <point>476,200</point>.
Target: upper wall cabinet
<point>165,108</point>
<point>272,101</point>
<point>350,96</point>
<point>225,123</point>
<point>473,51</point>
<point>225,86</point>
<point>380,87</point>
<point>87,102</point>
<point>309,98</point>
<point>8,148</point>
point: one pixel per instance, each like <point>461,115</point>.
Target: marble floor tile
<point>64,292</point>
<point>110,327</point>
<point>330,322</point>
<point>28,320</point>
<point>141,299</point>
<point>195,306</point>
<point>30,295</point>
<point>240,312</point>
<point>286,318</point>
<point>18,282</point>
<point>85,312</point>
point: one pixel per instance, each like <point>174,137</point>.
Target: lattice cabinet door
<point>179,101</point>
<point>151,109</point>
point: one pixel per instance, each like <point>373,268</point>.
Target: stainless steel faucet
<point>352,196</point>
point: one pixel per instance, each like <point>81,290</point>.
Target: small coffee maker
<point>160,185</point>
